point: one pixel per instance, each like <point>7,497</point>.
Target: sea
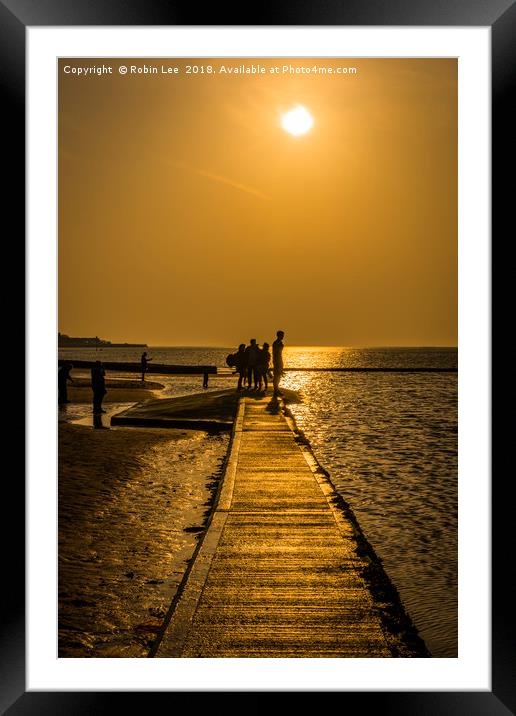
<point>389,443</point>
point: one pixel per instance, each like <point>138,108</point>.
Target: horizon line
<point>288,345</point>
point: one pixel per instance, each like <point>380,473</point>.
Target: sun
<point>297,121</point>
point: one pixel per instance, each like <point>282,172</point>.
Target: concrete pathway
<point>278,573</point>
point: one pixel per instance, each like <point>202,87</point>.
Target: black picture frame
<point>500,16</point>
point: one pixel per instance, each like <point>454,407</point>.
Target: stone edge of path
<point>402,636</point>
<point>178,620</point>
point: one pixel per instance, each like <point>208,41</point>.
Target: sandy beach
<point>132,503</point>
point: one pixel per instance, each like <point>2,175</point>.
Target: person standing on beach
<point>63,376</point>
<point>277,362</point>
<point>252,352</point>
<point>144,361</point>
<point>98,385</point>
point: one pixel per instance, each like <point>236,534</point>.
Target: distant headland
<point>64,341</point>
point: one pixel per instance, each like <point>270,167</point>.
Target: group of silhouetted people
<point>253,364</point>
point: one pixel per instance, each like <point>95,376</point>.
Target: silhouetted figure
<point>98,385</point>
<point>241,365</point>
<point>205,380</point>
<point>277,362</point>
<point>144,361</point>
<point>264,360</point>
<point>63,376</point>
<point>252,353</point>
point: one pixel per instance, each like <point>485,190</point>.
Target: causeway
<point>281,570</point>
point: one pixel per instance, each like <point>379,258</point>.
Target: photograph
<point>259,271</point>
<point>257,357</point>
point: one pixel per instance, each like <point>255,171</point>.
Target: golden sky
<point>188,216</point>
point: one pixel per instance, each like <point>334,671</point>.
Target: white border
<point>471,670</point>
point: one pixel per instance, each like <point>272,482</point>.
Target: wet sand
<point>132,504</point>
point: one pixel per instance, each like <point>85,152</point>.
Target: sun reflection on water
<point>389,442</point>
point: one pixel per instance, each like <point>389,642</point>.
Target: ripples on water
<point>389,442</point>
<point>295,356</point>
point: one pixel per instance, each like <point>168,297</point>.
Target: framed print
<point>145,132</point>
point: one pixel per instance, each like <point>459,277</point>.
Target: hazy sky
<point>188,216</point>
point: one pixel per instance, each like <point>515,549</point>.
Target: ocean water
<point>389,442</point>
<point>295,356</point>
